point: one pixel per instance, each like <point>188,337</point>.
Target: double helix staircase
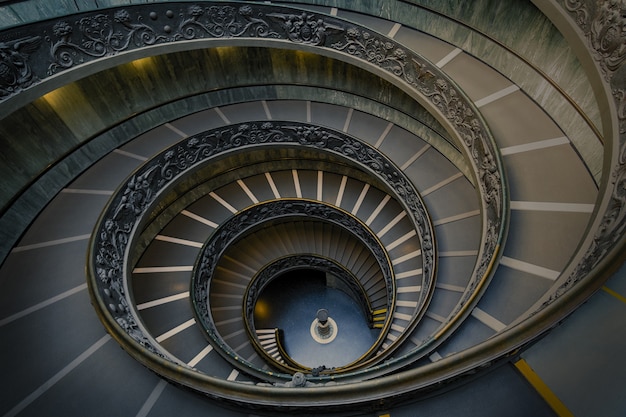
<point>418,318</point>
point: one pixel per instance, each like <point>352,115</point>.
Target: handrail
<point>254,217</point>
<point>423,79</point>
<point>124,214</point>
<point>291,262</point>
<point>275,338</point>
<point>519,56</point>
<point>457,365</point>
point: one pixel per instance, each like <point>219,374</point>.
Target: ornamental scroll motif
<point>305,28</point>
<point>604,25</point>
<point>115,231</point>
<point>93,36</point>
<point>238,226</point>
<point>221,21</point>
<point>101,35</point>
<point>16,72</point>
<point>375,50</point>
<point>612,229</point>
<point>108,255</point>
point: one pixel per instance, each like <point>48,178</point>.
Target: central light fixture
<point>323,328</point>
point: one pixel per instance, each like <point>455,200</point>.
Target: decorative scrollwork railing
<point>123,216</point>
<point>237,227</point>
<point>83,38</point>
<point>299,261</point>
<point>607,239</point>
<point>334,37</point>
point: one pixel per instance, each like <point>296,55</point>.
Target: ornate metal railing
<point>84,38</point>
<point>350,284</point>
<point>325,35</point>
<point>236,228</point>
<point>125,213</point>
<point>604,248</point>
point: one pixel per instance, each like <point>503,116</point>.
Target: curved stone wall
<point>598,251</point>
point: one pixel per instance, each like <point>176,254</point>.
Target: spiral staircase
<point>192,181</point>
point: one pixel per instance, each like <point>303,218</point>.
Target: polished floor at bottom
<point>291,302</point>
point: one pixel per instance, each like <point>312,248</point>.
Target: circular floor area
<point>291,302</point>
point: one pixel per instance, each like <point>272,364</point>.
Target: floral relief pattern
<point>88,37</point>
<point>16,72</point>
<point>375,50</point>
<point>222,21</point>
<point>305,28</point>
<point>131,203</point>
<point>99,35</point>
<point>604,25</point>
